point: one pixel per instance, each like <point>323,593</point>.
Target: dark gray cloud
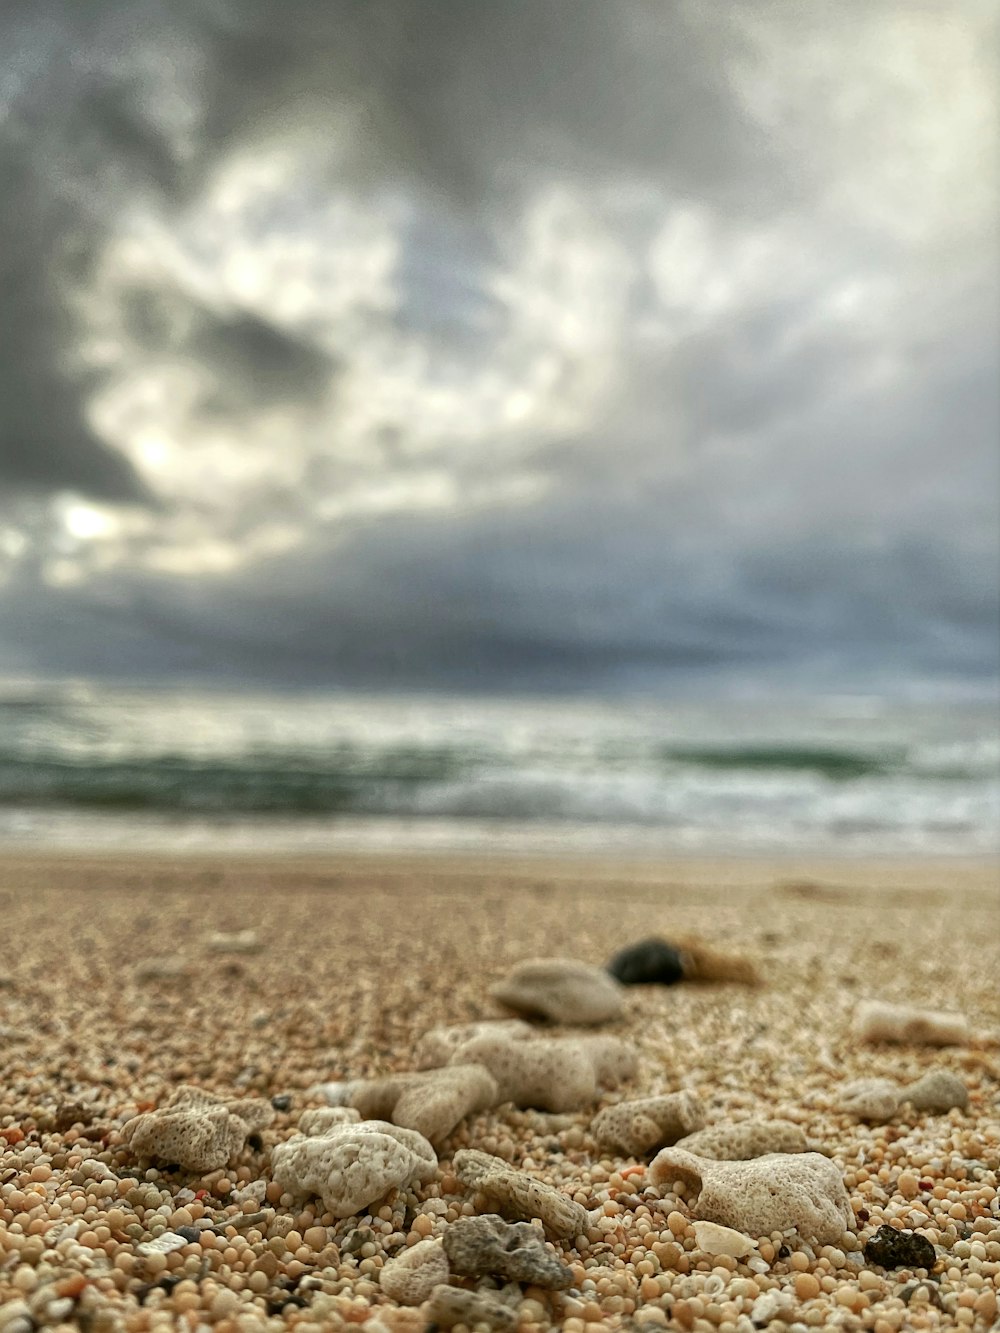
<point>578,343</point>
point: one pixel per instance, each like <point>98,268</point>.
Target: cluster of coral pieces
<point>377,1137</point>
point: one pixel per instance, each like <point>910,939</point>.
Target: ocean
<point>102,768</point>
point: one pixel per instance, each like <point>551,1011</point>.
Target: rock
<point>239,941</point>
<point>432,1102</point>
<point>651,1122</point>
<point>282,1101</point>
<point>650,962</point>
<point>440,1045</point>
<point>322,1118</point>
<point>170,967</point>
<point>350,1166</point>
<point>701,962</point>
<point>518,1195</point>
<point>449,1306</point>
<point>875,1020</point>
<point>551,1073</point>
<point>770,1193</point>
<point>745,1139</point>
<point>938,1091</point>
<point>710,1238</point>
<point>561,990</point>
<point>890,1248</point>
<point>410,1277</point>
<point>511,1250</point>
<point>873,1099</point>
<point>195,1130</point>
<point>164,1244</point>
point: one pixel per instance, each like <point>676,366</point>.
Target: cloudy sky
<point>500,343</point>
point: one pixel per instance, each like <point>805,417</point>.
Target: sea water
<point>99,767</point>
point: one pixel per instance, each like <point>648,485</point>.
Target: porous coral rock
<point>438,1046</point>
<point>550,1074</point>
<point>518,1195</point>
<point>195,1130</point>
<point>875,1020</point>
<point>350,1166</point>
<point>449,1306</point>
<point>779,1191</point>
<point>512,1250</point>
<point>321,1118</point>
<point>938,1091</point>
<point>411,1276</point>
<point>873,1099</point>
<point>562,990</point>
<point>744,1139</point>
<point>431,1102</point>
<point>638,1127</point>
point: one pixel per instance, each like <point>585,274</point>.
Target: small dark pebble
<point>283,1102</point>
<point>190,1234</point>
<point>290,1302</point>
<point>355,1239</point>
<point>784,1252</point>
<point>890,1248</point>
<point>650,962</point>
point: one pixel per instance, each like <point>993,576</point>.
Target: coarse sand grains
<point>359,958</point>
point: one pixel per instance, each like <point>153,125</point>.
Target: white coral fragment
<point>195,1130</point>
<point>349,1166</point>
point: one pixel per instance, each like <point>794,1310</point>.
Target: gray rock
<point>512,1250</point>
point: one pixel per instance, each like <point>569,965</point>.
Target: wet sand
<point>364,954</point>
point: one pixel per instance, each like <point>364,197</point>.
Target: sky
<point>501,344</point>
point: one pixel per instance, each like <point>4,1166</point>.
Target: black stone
<point>283,1102</point>
<point>650,962</point>
<point>190,1234</point>
<point>890,1248</point>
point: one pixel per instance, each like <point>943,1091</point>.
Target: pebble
<point>562,990</point>
<point>892,1248</point>
<point>514,1251</point>
<point>650,962</point>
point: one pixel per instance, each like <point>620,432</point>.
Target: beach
<point>112,994</point>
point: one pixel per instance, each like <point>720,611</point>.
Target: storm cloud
<point>571,344</point>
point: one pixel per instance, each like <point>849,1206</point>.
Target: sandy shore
<point>363,955</point>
